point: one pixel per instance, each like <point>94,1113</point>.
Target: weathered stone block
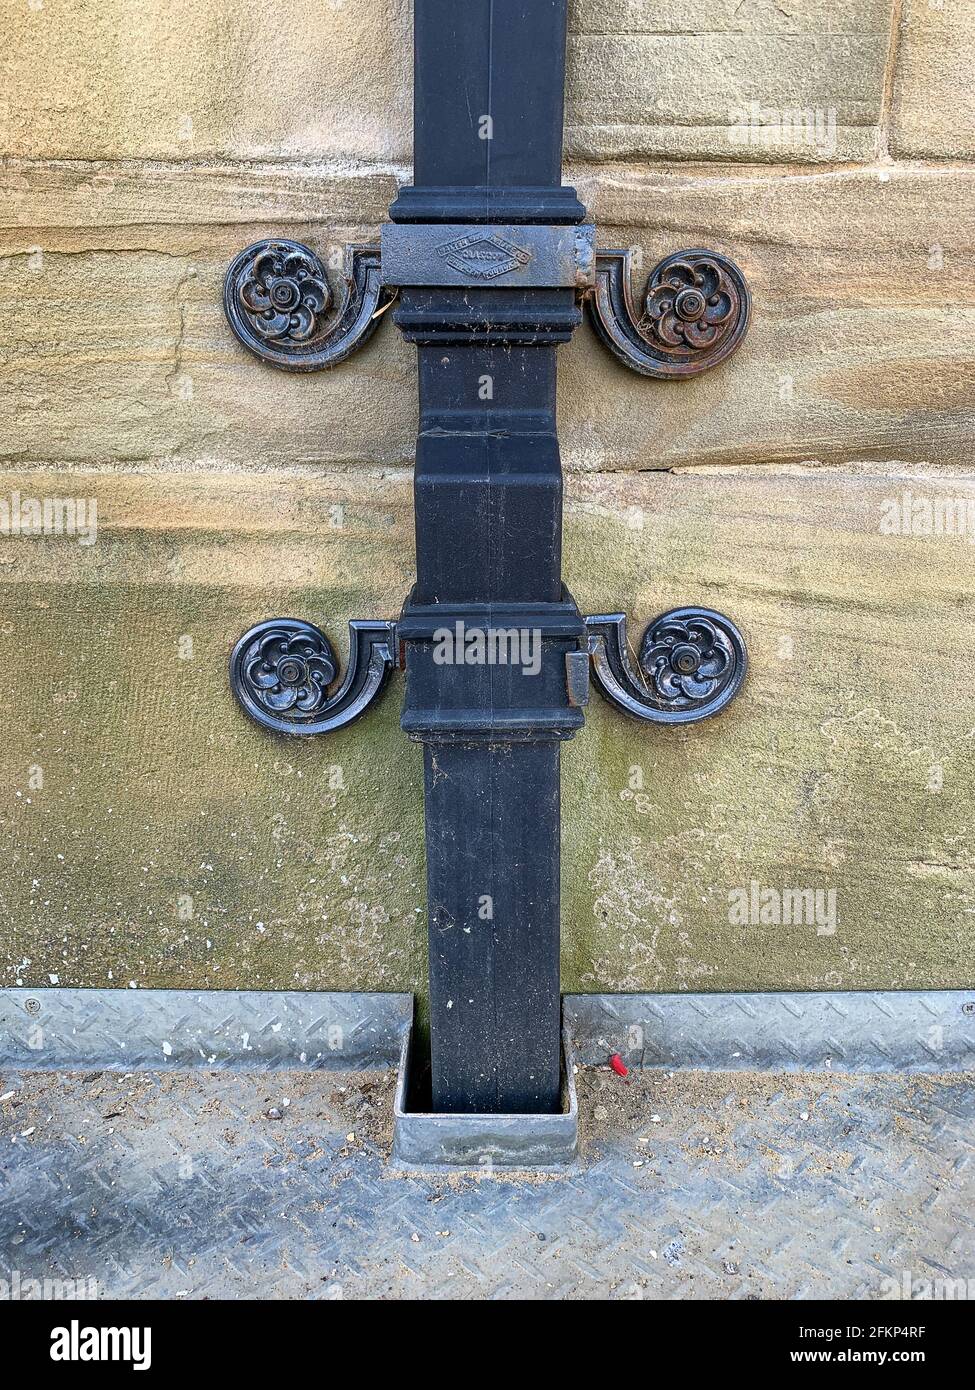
<point>841,770</point>
<point>934,97</point>
<point>116,348</point>
<point>153,834</point>
<point>122,80</point>
<point>727,81</point>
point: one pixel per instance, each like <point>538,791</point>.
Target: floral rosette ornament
<point>289,672</point>
<point>688,660</point>
<point>690,304</point>
<point>284,293</point>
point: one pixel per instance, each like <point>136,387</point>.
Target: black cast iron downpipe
<point>489,83</point>
<point>491,261</point>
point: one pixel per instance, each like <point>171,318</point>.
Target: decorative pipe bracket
<point>691,665</point>
<point>281,671</point>
<point>696,308</point>
<point>695,313</point>
<point>280,304</point>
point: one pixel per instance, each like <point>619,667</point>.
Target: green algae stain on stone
<point>167,840</point>
<point>154,836</point>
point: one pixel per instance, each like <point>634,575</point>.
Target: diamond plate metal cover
<point>855,1031</point>
<point>735,1186</point>
<point>155,1029</point>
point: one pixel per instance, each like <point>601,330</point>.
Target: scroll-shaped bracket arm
<point>281,671</point>
<point>692,663</point>
<point>695,313</point>
<point>280,304</point>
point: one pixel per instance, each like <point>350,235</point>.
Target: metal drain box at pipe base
<point>425,1141</point>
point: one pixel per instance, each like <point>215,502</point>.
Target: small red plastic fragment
<point>618,1065</point>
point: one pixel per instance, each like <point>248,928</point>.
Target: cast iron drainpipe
<point>490,257</point>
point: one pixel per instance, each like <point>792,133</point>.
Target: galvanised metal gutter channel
<point>61,1029</point>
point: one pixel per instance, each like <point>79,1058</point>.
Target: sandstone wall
<point>153,836</point>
